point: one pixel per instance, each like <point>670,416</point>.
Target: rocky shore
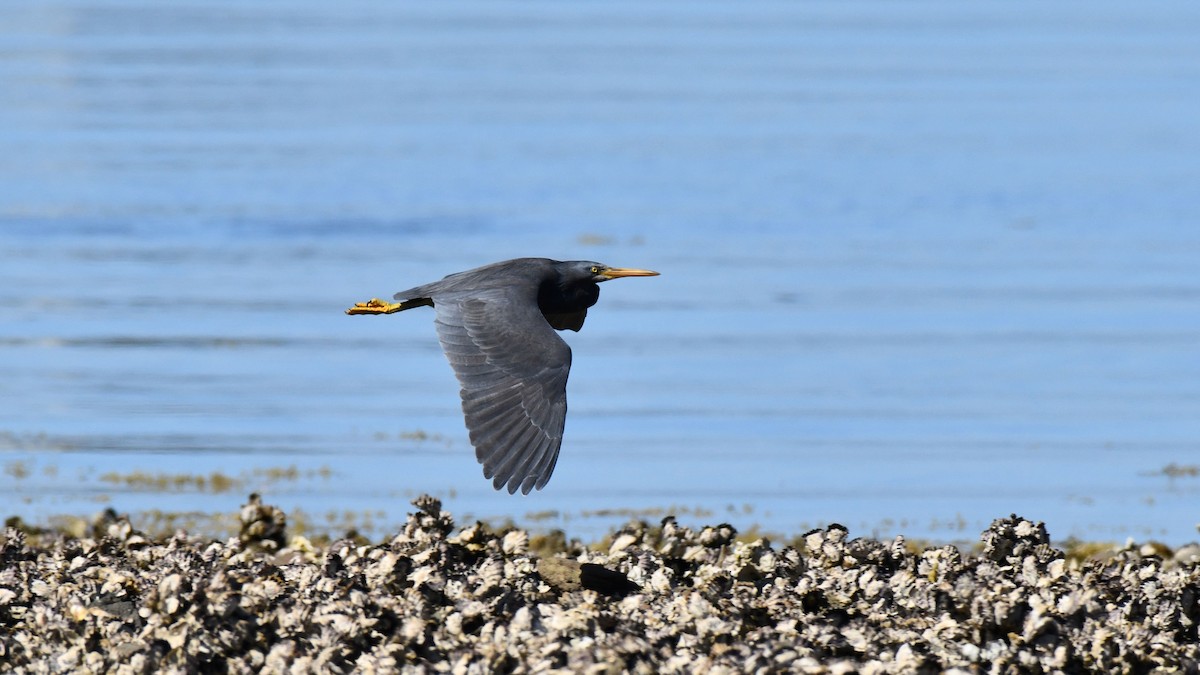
<point>439,597</point>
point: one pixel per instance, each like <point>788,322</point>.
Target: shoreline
<point>464,597</point>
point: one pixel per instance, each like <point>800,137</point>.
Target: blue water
<point>923,264</point>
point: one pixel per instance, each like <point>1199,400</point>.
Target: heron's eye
<point>595,269</point>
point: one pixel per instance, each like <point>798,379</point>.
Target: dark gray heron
<point>496,324</point>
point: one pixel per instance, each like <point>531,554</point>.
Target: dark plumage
<point>497,327</point>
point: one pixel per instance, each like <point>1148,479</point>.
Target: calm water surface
<point>924,265</point>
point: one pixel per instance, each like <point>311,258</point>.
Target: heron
<point>497,326</point>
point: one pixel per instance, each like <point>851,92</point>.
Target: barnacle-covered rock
<point>262,525</point>
<point>652,600</point>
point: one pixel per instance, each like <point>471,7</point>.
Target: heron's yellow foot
<point>375,306</point>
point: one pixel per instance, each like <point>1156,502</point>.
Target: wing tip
<point>511,480</point>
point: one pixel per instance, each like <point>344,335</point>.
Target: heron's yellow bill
<point>618,272</point>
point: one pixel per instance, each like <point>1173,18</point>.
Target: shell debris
<point>664,598</point>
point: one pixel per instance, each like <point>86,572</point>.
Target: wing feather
<point>528,437</point>
<point>529,464</point>
<point>512,368</point>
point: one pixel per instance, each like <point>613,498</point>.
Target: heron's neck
<point>557,297</point>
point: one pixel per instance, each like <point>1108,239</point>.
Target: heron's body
<point>497,327</point>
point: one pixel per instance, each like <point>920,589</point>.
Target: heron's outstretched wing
<point>513,369</point>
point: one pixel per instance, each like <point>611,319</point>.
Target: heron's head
<point>586,270</point>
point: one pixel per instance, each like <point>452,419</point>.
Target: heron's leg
<point>376,306</point>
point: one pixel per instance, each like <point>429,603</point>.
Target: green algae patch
<point>1174,470</point>
<point>216,482</point>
